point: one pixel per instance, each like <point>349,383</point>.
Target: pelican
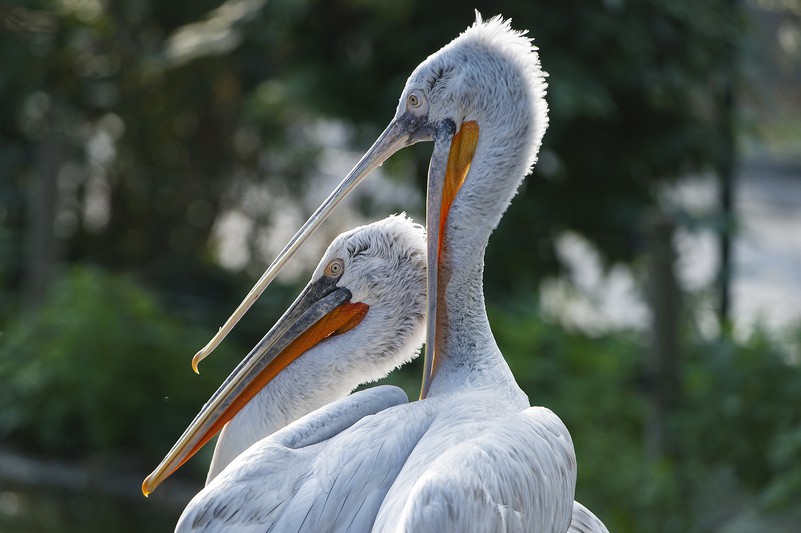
<point>471,455</point>
<point>366,301</point>
<point>382,265</point>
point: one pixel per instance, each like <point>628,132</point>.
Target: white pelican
<point>383,266</point>
<point>369,286</point>
<point>471,455</point>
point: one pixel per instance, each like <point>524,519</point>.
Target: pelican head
<point>491,75</point>
<point>480,99</point>
<point>360,316</point>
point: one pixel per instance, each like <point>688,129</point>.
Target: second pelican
<point>360,317</point>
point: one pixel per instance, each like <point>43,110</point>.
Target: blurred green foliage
<point>101,367</point>
<point>46,511</point>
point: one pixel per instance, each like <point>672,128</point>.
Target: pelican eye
<point>415,101</point>
<point>335,268</point>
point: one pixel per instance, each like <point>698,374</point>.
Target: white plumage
<point>584,521</point>
<point>472,455</point>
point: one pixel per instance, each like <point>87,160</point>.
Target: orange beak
<point>321,311</point>
<point>446,175</point>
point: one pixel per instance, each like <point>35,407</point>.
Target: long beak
<point>400,133</point>
<point>450,162</point>
<point>321,311</point>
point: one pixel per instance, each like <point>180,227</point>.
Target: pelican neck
<point>467,355</point>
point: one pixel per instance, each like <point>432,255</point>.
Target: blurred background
<point>645,283</point>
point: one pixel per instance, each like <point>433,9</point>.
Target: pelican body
<point>471,455</point>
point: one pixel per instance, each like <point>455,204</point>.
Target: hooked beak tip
<point>146,488</point>
<point>195,360</point>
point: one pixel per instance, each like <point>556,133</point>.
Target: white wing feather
<point>584,521</point>
<point>299,479</point>
<point>519,475</point>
